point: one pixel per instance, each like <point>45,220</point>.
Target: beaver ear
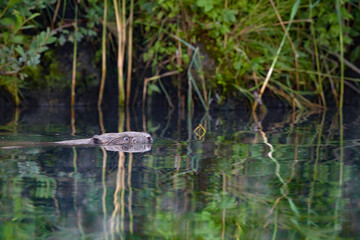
<point>96,139</point>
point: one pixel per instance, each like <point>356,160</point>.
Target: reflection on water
<point>285,177</point>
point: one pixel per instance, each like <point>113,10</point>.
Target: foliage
<point>238,41</point>
<point>18,48</point>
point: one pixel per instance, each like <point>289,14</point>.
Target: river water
<point>282,175</point>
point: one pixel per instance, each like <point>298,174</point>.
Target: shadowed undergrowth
<point>210,51</point>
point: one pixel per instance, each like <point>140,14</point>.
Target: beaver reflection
<point>134,148</point>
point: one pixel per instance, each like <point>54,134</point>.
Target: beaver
<point>112,139</point>
<point>119,142</point>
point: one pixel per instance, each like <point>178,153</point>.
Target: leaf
<point>355,54</point>
<point>34,16</point>
<point>294,9</point>
<point>229,15</point>
<point>153,88</point>
<point>19,17</point>
<point>293,206</point>
<point>23,76</point>
<point>7,22</point>
<point>237,65</point>
<point>27,27</point>
<point>50,40</point>
<point>20,51</point>
<point>91,33</point>
<point>5,36</point>
<point>18,39</point>
<point>33,43</point>
<point>62,40</point>
<point>347,40</point>
<point>83,30</point>
<point>71,38</point>
<point>42,37</point>
<point>147,6</point>
<point>160,15</point>
<point>206,4</point>
<point>208,8</point>
<point>78,36</point>
<point>13,2</point>
<point>42,49</point>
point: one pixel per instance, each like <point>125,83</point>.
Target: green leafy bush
<point>20,46</point>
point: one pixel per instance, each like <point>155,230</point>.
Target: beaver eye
<point>126,139</point>
<point>96,140</point>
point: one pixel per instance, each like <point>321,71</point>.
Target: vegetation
<point>295,50</point>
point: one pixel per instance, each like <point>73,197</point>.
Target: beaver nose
<point>149,139</point>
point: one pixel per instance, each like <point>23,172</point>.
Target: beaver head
<point>122,138</point>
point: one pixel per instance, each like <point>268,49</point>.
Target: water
<point>290,177</point>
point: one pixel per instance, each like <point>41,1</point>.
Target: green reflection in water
<point>283,180</point>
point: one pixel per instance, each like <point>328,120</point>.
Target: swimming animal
<point>112,139</point>
<point>119,142</point>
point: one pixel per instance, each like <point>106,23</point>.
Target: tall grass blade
<point>73,82</point>
<point>293,13</point>
<point>128,78</point>
<point>296,55</point>
<point>317,60</point>
<point>168,98</point>
<point>103,46</point>
<point>192,80</point>
<point>341,38</point>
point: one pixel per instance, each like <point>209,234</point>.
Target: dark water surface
<point>292,176</point>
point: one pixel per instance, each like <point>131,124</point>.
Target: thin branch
<point>55,13</point>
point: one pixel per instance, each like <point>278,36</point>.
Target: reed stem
<point>73,82</point>
<point>130,45</point>
<point>120,62</point>
<point>338,12</point>
<point>55,13</point>
<point>103,48</point>
<point>312,29</point>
